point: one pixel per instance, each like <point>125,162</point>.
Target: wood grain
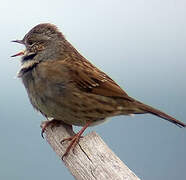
<point>92,159</point>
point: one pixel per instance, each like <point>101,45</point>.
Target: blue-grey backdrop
<point>140,44</point>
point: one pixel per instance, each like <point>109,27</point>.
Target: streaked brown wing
<point>91,79</point>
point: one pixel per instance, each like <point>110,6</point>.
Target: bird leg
<point>74,140</point>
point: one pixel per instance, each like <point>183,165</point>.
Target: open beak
<point>20,53</point>
<point>18,41</point>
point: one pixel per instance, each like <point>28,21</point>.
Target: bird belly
<point>61,102</point>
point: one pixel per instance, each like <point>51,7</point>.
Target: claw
<point>45,124</point>
<point>74,140</point>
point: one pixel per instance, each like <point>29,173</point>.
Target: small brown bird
<point>65,86</point>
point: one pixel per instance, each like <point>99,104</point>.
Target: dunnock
<point>65,86</point>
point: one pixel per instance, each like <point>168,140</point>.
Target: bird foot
<point>45,124</point>
<point>74,140</point>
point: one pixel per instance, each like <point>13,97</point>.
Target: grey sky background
<point>140,44</point>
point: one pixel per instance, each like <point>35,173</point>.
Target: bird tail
<point>156,112</point>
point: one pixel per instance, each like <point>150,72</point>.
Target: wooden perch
<point>92,158</point>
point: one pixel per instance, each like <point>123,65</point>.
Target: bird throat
<point>27,64</point>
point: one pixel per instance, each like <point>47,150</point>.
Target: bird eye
<point>29,43</point>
